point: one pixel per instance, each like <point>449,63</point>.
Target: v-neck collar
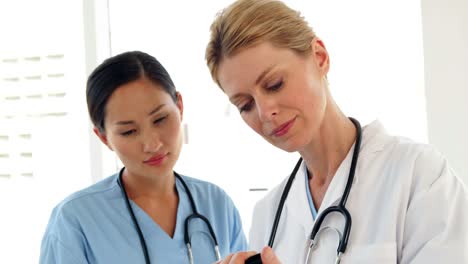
<point>150,228</point>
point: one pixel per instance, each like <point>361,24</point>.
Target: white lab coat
<point>406,204</point>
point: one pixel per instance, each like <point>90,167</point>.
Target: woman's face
<point>280,94</point>
<point>143,127</point>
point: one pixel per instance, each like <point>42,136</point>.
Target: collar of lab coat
<point>373,140</point>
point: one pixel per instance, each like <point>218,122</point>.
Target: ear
<point>102,137</point>
<point>320,55</point>
<point>180,105</point>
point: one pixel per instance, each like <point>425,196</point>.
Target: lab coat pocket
<point>371,253</point>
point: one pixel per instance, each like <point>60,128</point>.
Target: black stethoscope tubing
<point>340,208</point>
<point>194,215</point>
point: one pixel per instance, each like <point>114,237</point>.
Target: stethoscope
<point>194,215</point>
<point>340,208</point>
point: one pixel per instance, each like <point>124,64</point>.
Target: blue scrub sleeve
<point>238,242</point>
<point>53,250</point>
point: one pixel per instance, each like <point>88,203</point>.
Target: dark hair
<point>119,70</point>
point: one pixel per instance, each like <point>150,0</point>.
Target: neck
<point>329,146</point>
<point>157,196</point>
<point>138,187</point>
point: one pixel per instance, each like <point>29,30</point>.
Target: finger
<point>250,253</point>
<point>269,257</point>
<point>226,260</point>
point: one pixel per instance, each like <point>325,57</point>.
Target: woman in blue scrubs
<point>139,215</point>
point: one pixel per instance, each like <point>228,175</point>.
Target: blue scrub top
<point>94,226</point>
<point>313,210</point>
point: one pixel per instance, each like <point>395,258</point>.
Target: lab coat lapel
<point>297,213</point>
<point>297,205</point>
<point>373,140</point>
<point>338,184</point>
<point>296,220</point>
<point>299,217</point>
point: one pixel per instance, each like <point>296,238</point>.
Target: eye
<point>246,107</point>
<point>160,120</point>
<point>276,86</point>
<point>128,132</point>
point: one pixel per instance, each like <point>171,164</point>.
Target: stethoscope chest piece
<point>340,208</point>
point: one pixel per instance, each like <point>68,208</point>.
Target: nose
<point>267,108</point>
<point>151,142</point>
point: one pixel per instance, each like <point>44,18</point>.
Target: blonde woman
<point>356,195</point>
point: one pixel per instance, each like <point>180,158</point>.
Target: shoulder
<point>203,187</point>
<point>65,235</point>
<point>215,204</point>
<point>82,202</point>
<point>414,164</point>
<point>93,191</point>
<point>422,163</point>
<point>378,145</point>
<point>267,204</point>
<point>375,139</point>
<point>208,194</point>
<point>265,208</point>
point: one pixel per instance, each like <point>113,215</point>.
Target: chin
<point>288,146</point>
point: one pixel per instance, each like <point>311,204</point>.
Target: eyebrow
<point>257,81</point>
<point>156,109</point>
<point>150,113</point>
<point>262,75</point>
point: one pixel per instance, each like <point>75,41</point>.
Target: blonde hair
<point>246,23</point>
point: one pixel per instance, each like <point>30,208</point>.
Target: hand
<point>268,257</point>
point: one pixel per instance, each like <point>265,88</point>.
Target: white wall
<point>445,31</point>
<point>50,108</point>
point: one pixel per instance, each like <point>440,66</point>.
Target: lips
<point>283,128</point>
<point>156,160</point>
